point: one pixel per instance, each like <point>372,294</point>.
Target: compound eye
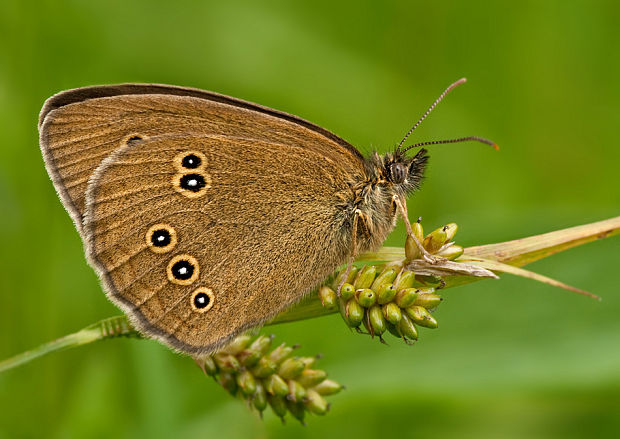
<point>398,172</point>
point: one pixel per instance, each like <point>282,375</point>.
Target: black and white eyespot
<point>191,161</point>
<point>161,238</point>
<point>201,299</point>
<point>193,184</point>
<point>183,270</point>
<point>187,161</point>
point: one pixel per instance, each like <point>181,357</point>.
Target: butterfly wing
<point>79,128</point>
<point>257,223</point>
<point>266,230</point>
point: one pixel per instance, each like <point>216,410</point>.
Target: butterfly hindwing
<point>259,222</point>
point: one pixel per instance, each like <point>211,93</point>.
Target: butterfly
<point>206,215</point>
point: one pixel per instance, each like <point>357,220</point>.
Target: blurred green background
<point>511,358</point>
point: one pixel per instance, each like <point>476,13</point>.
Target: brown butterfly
<point>206,215</point>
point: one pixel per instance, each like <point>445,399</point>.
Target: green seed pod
<point>278,405</point>
<point>246,383</point>
<point>347,291</point>
<point>237,345</point>
<point>296,392</point>
<point>450,230</point>
<point>405,280</point>
<point>392,265</point>
<point>407,328</point>
<point>393,329</point>
<point>275,385</point>
<point>297,409</point>
<point>226,362</point>
<point>309,362</point>
<point>426,290</point>
<point>328,387</point>
<point>209,366</point>
<point>342,307</point>
<point>452,252</point>
<point>386,277</point>
<point>435,240</point>
<point>405,298</point>
<point>385,293</point>
<point>366,323</point>
<point>315,403</point>
<point>417,229</point>
<point>428,301</point>
<point>311,377</point>
<point>264,368</point>
<point>328,298</point>
<point>365,297</point>
<point>281,353</point>
<point>259,399</point>
<point>391,312</point>
<point>365,278</point>
<point>350,278</point>
<point>412,251</point>
<point>291,368</point>
<point>431,281</point>
<point>261,344</point>
<point>354,313</point>
<point>248,357</point>
<point>227,381</point>
<point>376,319</point>
<point>421,316</point>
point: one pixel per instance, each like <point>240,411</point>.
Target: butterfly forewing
<point>79,128</point>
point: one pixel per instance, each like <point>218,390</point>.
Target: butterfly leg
<point>200,361</point>
<point>353,252</point>
<point>402,209</point>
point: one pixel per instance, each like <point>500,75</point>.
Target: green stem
<point>515,253</point>
<point>526,250</point>
<point>108,328</point>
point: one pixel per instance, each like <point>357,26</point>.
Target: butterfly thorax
<point>372,199</point>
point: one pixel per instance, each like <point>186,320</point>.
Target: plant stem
<point>109,328</point>
<point>526,250</point>
<point>514,253</point>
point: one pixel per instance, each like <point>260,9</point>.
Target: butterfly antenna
<point>441,96</point>
<point>461,139</point>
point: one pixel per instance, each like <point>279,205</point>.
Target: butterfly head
<point>402,171</point>
<point>397,172</point>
